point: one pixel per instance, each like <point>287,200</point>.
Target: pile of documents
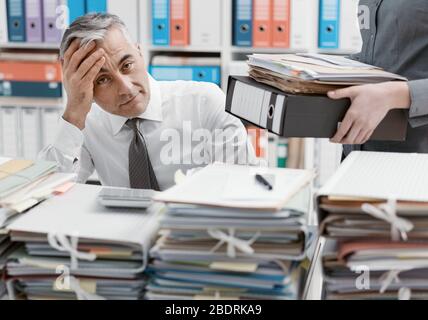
<point>374,212</point>
<point>313,73</point>
<point>23,185</point>
<point>75,248</point>
<point>225,236</point>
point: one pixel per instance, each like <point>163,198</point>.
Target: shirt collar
<point>152,113</point>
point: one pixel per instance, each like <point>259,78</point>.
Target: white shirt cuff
<point>69,139</point>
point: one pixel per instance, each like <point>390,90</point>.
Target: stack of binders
<point>232,238</point>
<point>75,248</point>
<point>39,76</point>
<point>374,213</point>
<point>286,94</point>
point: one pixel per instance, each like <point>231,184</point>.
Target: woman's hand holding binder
<point>370,105</point>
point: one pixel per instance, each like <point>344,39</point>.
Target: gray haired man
<point>135,131</point>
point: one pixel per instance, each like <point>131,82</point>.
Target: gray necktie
<point>141,174</point>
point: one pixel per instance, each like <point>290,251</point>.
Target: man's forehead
<point>115,44</point>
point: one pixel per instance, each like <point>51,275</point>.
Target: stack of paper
<point>375,212</point>
<point>74,247</point>
<point>23,185</point>
<point>313,73</point>
<point>225,236</point>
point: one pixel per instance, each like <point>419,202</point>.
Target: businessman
<point>396,40</point>
<point>134,131</point>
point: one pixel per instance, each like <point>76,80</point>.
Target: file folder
<point>350,35</point>
<point>30,89</point>
<point>300,116</point>
<point>304,35</point>
<point>243,23</point>
<point>96,6</point>
<point>281,23</point>
<point>31,135</point>
<point>34,28</point>
<point>77,8</point>
<point>160,22</point>
<point>30,71</point>
<point>206,21</point>
<point>3,22</point>
<point>187,73</point>
<point>127,10</point>
<point>52,32</point>
<point>329,19</point>
<point>16,20</point>
<point>262,23</point>
<point>50,124</point>
<point>10,132</point>
<point>180,32</point>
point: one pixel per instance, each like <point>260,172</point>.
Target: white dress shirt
<point>172,128</point>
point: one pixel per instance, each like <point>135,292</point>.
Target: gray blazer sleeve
<point>418,114</point>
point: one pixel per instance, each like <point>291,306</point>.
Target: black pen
<point>260,179</point>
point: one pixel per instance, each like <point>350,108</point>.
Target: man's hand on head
<point>81,65</point>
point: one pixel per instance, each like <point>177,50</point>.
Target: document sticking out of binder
<point>309,70</point>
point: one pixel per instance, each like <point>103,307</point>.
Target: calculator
<point>126,198</point>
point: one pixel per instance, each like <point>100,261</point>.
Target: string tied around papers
<point>233,243</point>
<point>389,278</point>
<point>388,212</point>
<point>61,243</point>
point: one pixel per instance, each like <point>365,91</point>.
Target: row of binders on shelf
<point>27,126</point>
<point>171,68</point>
<point>186,22</point>
<point>294,24</point>
<point>30,75</point>
<point>374,214</point>
<point>42,21</point>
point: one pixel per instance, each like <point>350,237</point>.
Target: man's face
<point>122,86</point>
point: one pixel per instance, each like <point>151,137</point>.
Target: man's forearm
<point>75,118</point>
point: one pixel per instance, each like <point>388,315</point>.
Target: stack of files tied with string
<point>75,248</point>
<point>23,185</point>
<point>225,236</point>
<point>374,213</point>
<point>314,73</point>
